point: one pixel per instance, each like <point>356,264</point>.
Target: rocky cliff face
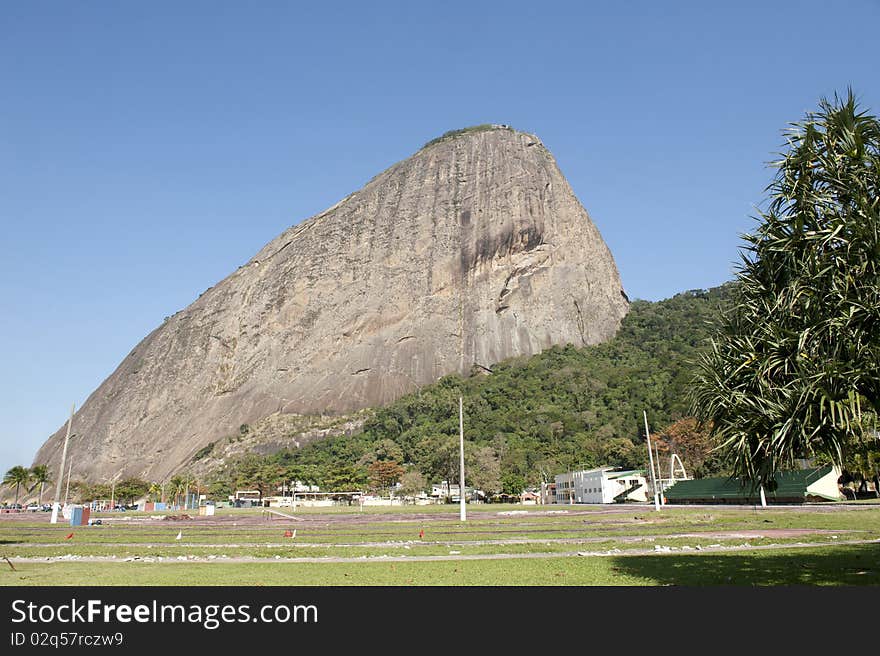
<point>471,251</point>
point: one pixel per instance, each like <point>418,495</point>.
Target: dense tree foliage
<point>693,444</point>
<point>125,492</point>
<point>17,477</point>
<point>40,475</point>
<point>384,475</point>
<point>794,371</point>
<point>412,483</point>
<point>529,419</point>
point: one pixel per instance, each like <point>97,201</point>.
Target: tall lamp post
<point>69,470</point>
<point>462,508</point>
<point>113,489</point>
<point>651,458</point>
<point>54,519</point>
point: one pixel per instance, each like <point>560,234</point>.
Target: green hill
<point>531,417</point>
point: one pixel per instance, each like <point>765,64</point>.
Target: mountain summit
<point>473,250</point>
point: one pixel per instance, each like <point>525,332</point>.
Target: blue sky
<point>149,149</point>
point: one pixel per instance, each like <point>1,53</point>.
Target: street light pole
<point>54,519</point>
<point>463,510</point>
<point>67,488</point>
<point>113,489</point>
<point>659,474</point>
<point>651,458</point>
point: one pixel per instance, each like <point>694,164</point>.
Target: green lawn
<point>631,539</point>
<point>852,565</point>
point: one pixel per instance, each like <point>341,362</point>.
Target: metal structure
<point>677,473</point>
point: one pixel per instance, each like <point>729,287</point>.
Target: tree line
<point>527,420</point>
<point>19,476</point>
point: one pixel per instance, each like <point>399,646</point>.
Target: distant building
<point>443,490</point>
<point>246,498</point>
<point>814,484</point>
<point>315,499</point>
<point>548,493</point>
<point>295,487</point>
<point>601,485</point>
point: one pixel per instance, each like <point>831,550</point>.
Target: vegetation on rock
<point>531,417</point>
<point>451,134</point>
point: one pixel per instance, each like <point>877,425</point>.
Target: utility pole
<point>67,488</point>
<point>463,510</point>
<point>651,458</point>
<point>113,489</point>
<point>55,504</point>
<point>659,474</point>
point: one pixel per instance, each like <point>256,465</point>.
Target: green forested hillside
<point>532,417</point>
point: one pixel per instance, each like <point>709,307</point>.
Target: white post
<point>113,489</point>
<point>763,498</point>
<point>54,519</point>
<point>463,510</point>
<point>659,473</point>
<point>651,458</point>
<point>67,488</point>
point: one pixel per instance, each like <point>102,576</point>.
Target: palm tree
<point>795,364</point>
<point>40,474</point>
<point>17,476</point>
<point>178,484</point>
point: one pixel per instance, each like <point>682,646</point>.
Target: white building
<point>602,485</point>
<point>444,489</point>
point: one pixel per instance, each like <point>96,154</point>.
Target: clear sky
<point>149,149</point>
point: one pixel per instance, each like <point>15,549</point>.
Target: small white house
<point>444,489</point>
<point>602,485</point>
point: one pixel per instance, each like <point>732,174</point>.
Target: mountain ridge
<point>471,251</point>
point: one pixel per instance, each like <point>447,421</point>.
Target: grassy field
<point>498,545</point>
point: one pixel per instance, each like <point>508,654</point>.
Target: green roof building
<point>816,484</point>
